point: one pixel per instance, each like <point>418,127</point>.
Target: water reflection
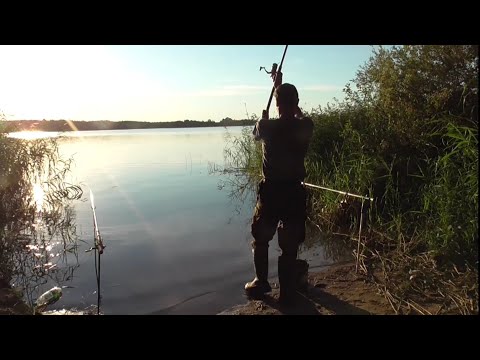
<point>46,254</point>
<point>335,248</point>
<point>38,237</point>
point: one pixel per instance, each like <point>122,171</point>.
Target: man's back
<point>281,196</point>
<point>285,143</point>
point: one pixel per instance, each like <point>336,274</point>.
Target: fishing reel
<point>98,246</point>
<point>272,72</point>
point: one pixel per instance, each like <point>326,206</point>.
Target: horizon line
<point>126,120</point>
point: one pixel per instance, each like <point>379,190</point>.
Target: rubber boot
<point>259,286</point>
<point>301,267</point>
<point>287,278</point>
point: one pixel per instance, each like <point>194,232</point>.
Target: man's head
<point>287,99</point>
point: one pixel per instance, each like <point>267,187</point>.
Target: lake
<point>176,241</point>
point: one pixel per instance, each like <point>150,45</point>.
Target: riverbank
<point>337,290</point>
<point>334,291</point>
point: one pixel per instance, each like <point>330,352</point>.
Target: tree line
<point>64,125</point>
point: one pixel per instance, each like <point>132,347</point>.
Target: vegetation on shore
<point>37,223</point>
<point>406,134</point>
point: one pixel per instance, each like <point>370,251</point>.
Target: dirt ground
<point>335,291</point>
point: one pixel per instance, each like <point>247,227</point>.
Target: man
<point>281,195</point>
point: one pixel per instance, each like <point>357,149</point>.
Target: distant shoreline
<point>64,125</point>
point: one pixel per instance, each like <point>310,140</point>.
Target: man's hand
<point>264,115</point>
<point>278,79</point>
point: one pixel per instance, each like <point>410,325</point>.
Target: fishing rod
<point>338,191</point>
<point>98,248</point>
<point>273,74</point>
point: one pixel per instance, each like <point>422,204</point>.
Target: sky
<point>166,83</point>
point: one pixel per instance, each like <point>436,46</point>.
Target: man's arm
<point>258,130</point>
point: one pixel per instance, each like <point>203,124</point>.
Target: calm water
<point>176,243</point>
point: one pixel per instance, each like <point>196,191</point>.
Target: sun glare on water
<point>38,195</point>
<point>32,135</point>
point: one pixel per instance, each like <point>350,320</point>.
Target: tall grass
<point>37,223</point>
<point>450,199</point>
